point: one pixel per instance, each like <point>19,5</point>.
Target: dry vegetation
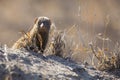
<point>65,45</point>
<point>105,61</point>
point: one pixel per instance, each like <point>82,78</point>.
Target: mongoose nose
<point>41,25</point>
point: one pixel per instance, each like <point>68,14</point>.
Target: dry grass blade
<point>58,45</point>
<point>27,36</point>
<point>93,50</point>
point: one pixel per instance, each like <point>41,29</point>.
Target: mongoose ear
<point>35,20</point>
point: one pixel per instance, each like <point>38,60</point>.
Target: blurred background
<point>91,16</point>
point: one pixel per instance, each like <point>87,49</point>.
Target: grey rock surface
<point>27,65</point>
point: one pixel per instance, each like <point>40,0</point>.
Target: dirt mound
<point>27,65</point>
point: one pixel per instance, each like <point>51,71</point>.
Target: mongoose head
<point>43,24</point>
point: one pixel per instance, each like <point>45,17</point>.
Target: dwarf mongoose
<point>37,37</point>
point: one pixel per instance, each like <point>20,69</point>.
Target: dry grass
<point>65,44</point>
<point>105,61</point>
<point>56,43</point>
<point>108,58</point>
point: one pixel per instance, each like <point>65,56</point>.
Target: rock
<point>28,65</point>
